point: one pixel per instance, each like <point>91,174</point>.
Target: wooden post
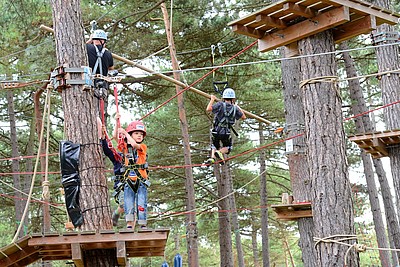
<point>191,224</point>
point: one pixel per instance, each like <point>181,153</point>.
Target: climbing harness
<point>132,174</point>
<point>219,86</point>
<point>227,121</point>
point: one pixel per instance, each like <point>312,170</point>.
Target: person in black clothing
<point>226,112</point>
<point>96,49</point>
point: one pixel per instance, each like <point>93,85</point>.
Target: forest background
<point>136,31</point>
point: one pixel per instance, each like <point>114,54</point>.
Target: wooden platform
<point>294,211</point>
<point>285,22</point>
<point>376,143</point>
<point>70,246</point>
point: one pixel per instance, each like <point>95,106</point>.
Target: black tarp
<point>69,160</point>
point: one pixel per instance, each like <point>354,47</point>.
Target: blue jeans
<point>135,203</point>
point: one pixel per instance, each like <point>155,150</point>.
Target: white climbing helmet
<point>99,34</point>
<point>228,93</point>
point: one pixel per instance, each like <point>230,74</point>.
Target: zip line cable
<point>199,80</point>
<point>257,62</point>
<point>283,58</point>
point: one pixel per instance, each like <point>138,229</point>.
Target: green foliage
<point>136,30</point>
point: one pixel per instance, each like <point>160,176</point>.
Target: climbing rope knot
<point>360,247</point>
<point>46,191</point>
<point>326,79</point>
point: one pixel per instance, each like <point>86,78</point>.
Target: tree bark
<point>19,203</point>
<point>297,159</point>
<point>80,126</point>
<point>263,202</point>
<point>326,152</point>
<point>235,222</point>
<point>388,59</point>
<point>191,224</point>
<point>254,245</point>
<point>363,124</point>
<point>225,238</point>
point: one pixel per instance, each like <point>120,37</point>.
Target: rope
<point>284,58</point>
<point>326,79</point>
<point>213,202</point>
<point>34,173</point>
<point>46,183</point>
<point>200,79</point>
<point>358,247</point>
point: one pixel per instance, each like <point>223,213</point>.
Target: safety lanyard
<point>216,83</point>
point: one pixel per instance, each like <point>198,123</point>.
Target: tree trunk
<point>326,152</point>
<point>254,245</point>
<point>19,203</point>
<point>225,238</point>
<point>363,124</point>
<point>235,222</point>
<point>297,159</point>
<point>191,224</point>
<point>388,59</point>
<point>80,126</point>
<point>263,202</point>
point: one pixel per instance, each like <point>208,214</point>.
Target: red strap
<point>110,145</point>
<point>121,142</point>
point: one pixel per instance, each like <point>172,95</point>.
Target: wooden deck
<point>293,211</point>
<point>71,245</point>
<point>285,22</point>
<point>376,143</point>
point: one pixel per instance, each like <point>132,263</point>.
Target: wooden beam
<point>157,235</point>
<point>248,31</point>
<point>304,29</point>
<point>167,78</point>
<point>270,21</point>
<point>352,29</point>
<point>386,15</point>
<point>77,255</point>
<point>121,253</point>
<point>299,10</point>
<point>26,261</point>
<point>294,215</point>
<point>26,252</point>
<point>380,146</point>
<point>292,50</point>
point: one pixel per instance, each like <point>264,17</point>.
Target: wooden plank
<point>384,15</point>
<point>98,238</point>
<point>304,29</point>
<point>299,10</point>
<point>352,29</point>
<point>19,255</point>
<point>270,21</point>
<point>266,10</point>
<point>26,261</point>
<point>383,134</point>
<point>77,255</point>
<point>121,253</point>
<point>293,215</point>
<point>248,31</point>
